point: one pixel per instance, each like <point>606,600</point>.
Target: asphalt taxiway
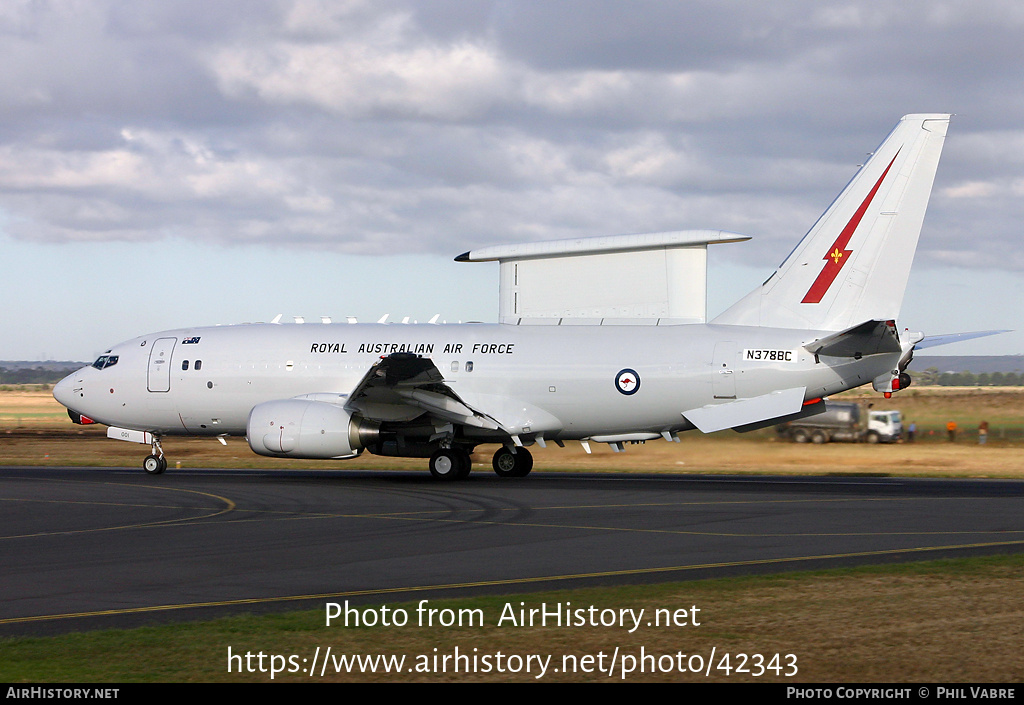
<point>85,548</point>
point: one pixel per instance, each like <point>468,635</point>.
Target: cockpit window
<point>104,361</point>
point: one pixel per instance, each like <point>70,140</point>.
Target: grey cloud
<point>376,127</point>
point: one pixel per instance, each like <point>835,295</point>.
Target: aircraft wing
<point>402,386</point>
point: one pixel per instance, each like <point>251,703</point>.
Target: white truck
<point>845,421</point>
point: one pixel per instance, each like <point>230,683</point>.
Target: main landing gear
<point>455,464</point>
<point>509,464</point>
<point>450,464</point>
<point>156,463</point>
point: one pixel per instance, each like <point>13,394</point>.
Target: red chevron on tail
<point>837,255</point>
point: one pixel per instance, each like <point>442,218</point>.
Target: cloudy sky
<point>171,163</point>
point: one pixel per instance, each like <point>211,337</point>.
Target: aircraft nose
<point>64,390</point>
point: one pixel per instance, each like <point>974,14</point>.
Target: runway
<point>88,548</point>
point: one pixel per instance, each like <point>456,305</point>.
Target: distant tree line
<point>932,376</point>
<point>33,375</point>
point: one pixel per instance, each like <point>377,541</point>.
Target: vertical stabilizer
<point>853,264</point>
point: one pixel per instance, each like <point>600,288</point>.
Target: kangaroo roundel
<point>627,381</point>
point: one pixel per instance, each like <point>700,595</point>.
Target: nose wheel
<point>156,463</point>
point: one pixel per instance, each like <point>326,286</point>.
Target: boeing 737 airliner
<point>599,340</point>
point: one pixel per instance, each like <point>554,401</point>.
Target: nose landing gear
<point>156,463</point>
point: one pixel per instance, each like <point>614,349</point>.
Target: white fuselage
<point>559,380</point>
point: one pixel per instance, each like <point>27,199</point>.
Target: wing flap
<point>402,386</point>
<point>447,407</point>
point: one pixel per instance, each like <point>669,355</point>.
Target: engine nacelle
<point>301,428</point>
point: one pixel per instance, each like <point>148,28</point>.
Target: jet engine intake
<point>300,428</point>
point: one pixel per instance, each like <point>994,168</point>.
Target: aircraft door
<point>160,364</point>
<point>723,373</point>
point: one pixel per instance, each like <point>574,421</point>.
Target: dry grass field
<point>35,430</point>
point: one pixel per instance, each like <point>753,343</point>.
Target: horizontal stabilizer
<point>868,338</point>
<point>744,412</point>
<point>932,341</point>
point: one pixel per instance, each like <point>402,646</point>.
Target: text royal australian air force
<point>389,348</point>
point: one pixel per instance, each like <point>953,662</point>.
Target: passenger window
<point>199,365</point>
<point>184,364</point>
<point>469,367</point>
<point>455,366</point>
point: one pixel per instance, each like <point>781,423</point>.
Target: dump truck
<point>845,421</point>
